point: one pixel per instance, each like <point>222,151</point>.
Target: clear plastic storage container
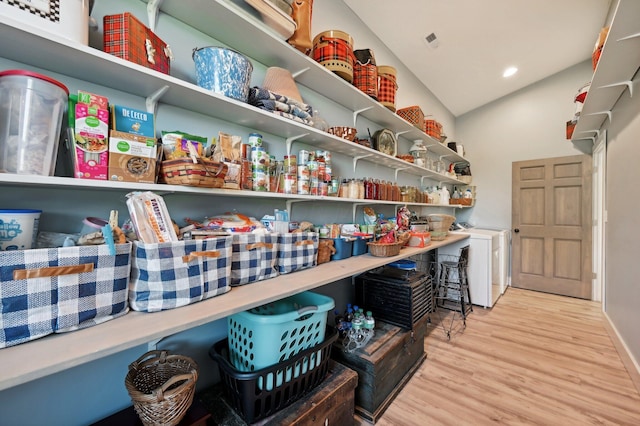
<point>32,107</point>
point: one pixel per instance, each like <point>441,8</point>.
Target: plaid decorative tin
<point>170,275</point>
<point>56,290</point>
<point>414,115</point>
<point>333,50</point>
<point>254,258</point>
<point>297,251</point>
<point>387,86</point>
<point>365,78</point>
<point>128,38</point>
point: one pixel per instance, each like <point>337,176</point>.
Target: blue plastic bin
<point>360,246</point>
<point>344,248</point>
<point>271,333</point>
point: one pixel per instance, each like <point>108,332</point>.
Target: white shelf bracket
<point>152,13</point>
<point>401,133</point>
<point>629,37</point>
<point>591,138</point>
<point>628,83</point>
<point>608,113</point>
<point>299,73</point>
<point>354,208</point>
<point>153,344</point>
<point>151,101</point>
<point>355,114</point>
<point>355,160</point>
<point>400,169</point>
<point>290,204</point>
<point>292,139</point>
<point>597,132</point>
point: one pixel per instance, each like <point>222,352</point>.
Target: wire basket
<point>439,225</point>
<point>161,387</point>
<point>274,332</point>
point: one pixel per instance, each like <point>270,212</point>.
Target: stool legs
<point>452,292</point>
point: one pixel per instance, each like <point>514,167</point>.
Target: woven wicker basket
<point>414,115</point>
<point>389,249</point>
<point>439,225</point>
<point>183,171</point>
<point>161,387</point>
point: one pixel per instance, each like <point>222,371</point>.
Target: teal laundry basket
<point>272,333</point>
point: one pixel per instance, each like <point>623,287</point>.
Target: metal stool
<point>452,287</point>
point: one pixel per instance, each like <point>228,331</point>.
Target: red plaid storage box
<point>174,274</point>
<point>414,115</point>
<point>254,258</point>
<point>297,251</point>
<point>128,38</point>
<point>55,290</point>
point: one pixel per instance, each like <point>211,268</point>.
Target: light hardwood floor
<point>533,359</point>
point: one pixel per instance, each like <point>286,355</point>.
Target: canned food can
<point>290,164</point>
<point>327,173</point>
<point>290,183</point>
<point>255,139</point>
<point>303,187</point>
<point>303,157</point>
<point>303,172</point>
<point>260,181</point>
<point>322,168</point>
<point>246,176</point>
<point>323,189</point>
<point>259,158</point>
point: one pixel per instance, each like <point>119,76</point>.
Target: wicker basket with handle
<point>161,387</point>
<point>439,225</point>
<point>183,171</point>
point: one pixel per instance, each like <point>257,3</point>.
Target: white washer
<point>488,263</point>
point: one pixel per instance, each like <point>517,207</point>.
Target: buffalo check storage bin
<point>170,275</point>
<point>297,251</point>
<point>54,290</point>
<point>254,258</point>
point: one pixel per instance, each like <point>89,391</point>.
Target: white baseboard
<point>630,363</point>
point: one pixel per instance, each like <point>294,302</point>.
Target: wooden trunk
<point>384,365</point>
<point>330,403</point>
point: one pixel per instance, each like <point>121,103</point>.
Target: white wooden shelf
<point>617,67</point>
<point>55,54</point>
<point>54,353</point>
<point>259,42</point>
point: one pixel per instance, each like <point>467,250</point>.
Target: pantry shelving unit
<point>54,353</point>
<point>614,75</point>
<point>40,49</point>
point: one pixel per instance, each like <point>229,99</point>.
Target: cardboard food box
<point>132,158</point>
<point>130,120</point>
<point>90,145</point>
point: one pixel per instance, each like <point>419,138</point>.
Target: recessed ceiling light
<point>509,72</point>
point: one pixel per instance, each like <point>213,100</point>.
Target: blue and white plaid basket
<point>170,275</point>
<point>254,258</point>
<point>297,251</point>
<point>55,290</point>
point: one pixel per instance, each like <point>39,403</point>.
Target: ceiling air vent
<point>432,40</point>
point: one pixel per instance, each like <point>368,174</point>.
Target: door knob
<point>516,230</point>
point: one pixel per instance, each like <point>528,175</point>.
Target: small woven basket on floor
<point>161,387</point>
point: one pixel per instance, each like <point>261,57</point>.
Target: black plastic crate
<point>399,297</point>
<point>261,393</point>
